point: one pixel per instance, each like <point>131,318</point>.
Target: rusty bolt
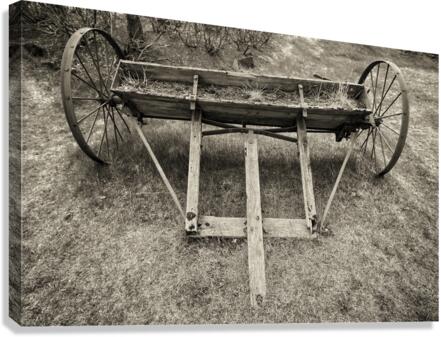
<point>190,216</point>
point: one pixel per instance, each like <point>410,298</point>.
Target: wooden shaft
<point>305,169</point>
<point>256,258</point>
<point>159,169</point>
<point>191,219</point>
<point>337,181</point>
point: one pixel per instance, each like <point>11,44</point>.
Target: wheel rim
<point>94,114</point>
<point>386,91</point>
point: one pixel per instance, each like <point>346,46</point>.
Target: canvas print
<point>168,172</point>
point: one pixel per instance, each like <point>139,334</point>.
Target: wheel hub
<point>115,100</point>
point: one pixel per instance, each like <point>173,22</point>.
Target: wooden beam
<point>302,102</point>
<point>158,166</point>
<point>305,169</point>
<point>237,112</point>
<point>229,227</point>
<point>256,258</point>
<point>246,130</point>
<point>337,181</point>
<point>191,216</point>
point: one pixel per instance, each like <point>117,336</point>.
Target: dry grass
<point>103,245</point>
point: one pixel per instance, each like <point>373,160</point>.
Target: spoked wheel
<point>386,91</point>
<point>93,113</point>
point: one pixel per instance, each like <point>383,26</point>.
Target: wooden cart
<point>99,108</point>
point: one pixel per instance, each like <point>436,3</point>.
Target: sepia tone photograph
<point>170,172</point>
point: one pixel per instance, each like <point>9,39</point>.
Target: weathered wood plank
<point>256,255</point>
<point>231,78</point>
<point>157,165</point>
<point>230,227</point>
<point>213,226</point>
<point>191,215</point>
<point>156,106</point>
<point>305,169</point>
<point>337,181</point>
<point>302,102</point>
<point>286,228</point>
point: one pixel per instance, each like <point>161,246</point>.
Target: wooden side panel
<point>212,226</point>
<point>232,78</point>
<point>191,216</point>
<point>233,112</point>
<point>256,258</point>
<point>305,168</point>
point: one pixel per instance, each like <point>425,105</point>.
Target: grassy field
<point>105,245</point>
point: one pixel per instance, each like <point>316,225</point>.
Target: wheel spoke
<point>393,102</point>
<point>373,143</point>
<point>382,147</point>
<point>385,141</point>
<point>372,88</point>
<point>96,63</point>
<point>107,140</point>
<point>91,128</point>
<point>122,118</point>
<point>115,128</point>
<point>104,131</point>
<point>90,113</point>
<point>109,65</point>
<point>87,83</point>
<point>365,141</point>
<point>375,149</point>
<point>387,91</point>
<point>92,82</point>
<point>384,124</point>
<point>382,91</point>
<point>394,115</point>
<point>376,84</point>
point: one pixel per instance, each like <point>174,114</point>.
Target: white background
<point>412,25</point>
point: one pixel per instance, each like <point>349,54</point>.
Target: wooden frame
<point>253,227</point>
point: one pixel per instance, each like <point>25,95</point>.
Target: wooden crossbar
<point>246,130</point>
<point>231,227</point>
